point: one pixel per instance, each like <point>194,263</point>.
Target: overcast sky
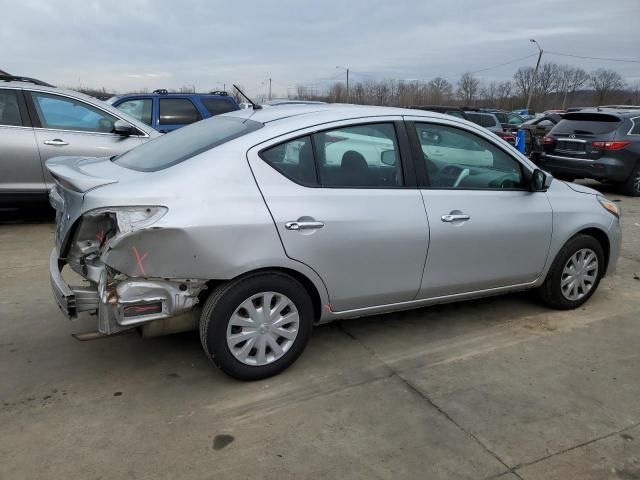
<point>168,44</point>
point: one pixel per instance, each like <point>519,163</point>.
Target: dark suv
<point>601,144</point>
<point>166,111</point>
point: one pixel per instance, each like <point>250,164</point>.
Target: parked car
<point>491,122</point>
<point>604,145</point>
<point>249,216</point>
<point>536,130</point>
<point>508,120</point>
<point>454,111</point>
<point>166,111</point>
<point>39,121</point>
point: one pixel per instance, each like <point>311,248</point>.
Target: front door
<point>70,127</point>
<point>341,205</point>
<point>487,230</point>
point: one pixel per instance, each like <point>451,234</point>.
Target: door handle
<point>303,225</point>
<point>455,217</point>
<point>55,141</point>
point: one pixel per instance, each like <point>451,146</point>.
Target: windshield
<point>184,143</point>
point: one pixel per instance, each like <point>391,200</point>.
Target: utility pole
<point>269,89</point>
<point>535,75</point>
<point>347,70</point>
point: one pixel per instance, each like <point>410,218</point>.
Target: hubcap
<point>263,328</point>
<point>579,274</point>
<point>636,182</point>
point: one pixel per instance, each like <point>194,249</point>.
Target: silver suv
<point>39,121</point>
<point>278,219</point>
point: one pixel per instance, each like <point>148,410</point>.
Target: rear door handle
<point>56,141</point>
<point>303,225</point>
<point>455,217</point>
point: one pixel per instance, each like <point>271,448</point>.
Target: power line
<point>593,58</point>
<point>505,63</point>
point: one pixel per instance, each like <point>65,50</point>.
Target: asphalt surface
<point>497,388</point>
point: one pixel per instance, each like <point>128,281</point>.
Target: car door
<point>359,221</point>
<point>176,113</point>
<point>487,230</point>
<point>65,125</point>
<point>20,167</point>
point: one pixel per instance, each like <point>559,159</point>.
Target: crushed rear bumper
<point>123,302</point>
<point>70,299</point>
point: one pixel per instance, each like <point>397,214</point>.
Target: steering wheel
<point>464,173</point>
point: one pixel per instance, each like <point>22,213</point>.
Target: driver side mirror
<point>538,181</point>
<point>124,129</point>
<point>388,157</point>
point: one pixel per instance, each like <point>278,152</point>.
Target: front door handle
<point>56,141</point>
<point>455,217</point>
<point>303,225</point>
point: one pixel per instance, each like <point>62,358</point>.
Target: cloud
<point>157,44</point>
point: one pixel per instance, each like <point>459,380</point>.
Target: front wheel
<point>257,326</point>
<point>575,273</point>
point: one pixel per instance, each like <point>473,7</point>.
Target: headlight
<point>132,218</point>
<point>609,205</point>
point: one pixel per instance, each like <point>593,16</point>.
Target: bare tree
<point>570,79</point>
<point>523,81</point>
<point>604,82</point>
<point>489,93</point>
<point>547,80</point>
<point>504,92</point>
<point>468,87</point>
<point>439,90</point>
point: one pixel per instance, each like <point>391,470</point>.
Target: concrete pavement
<point>496,388</point>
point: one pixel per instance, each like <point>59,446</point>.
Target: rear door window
<point>9,109</point>
<point>359,156</point>
<point>178,111</point>
<point>216,106</point>
<point>293,159</point>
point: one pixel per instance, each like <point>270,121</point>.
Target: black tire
<point>551,292</point>
<point>632,186</point>
<point>223,302</point>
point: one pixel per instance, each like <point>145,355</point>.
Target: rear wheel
<point>575,273</point>
<point>632,185</point>
<point>257,326</point>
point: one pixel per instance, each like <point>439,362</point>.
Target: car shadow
<point>33,213</point>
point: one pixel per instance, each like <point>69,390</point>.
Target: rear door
<point>66,126</point>
<point>20,167</point>
<point>351,212</point>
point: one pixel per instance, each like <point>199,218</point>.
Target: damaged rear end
<point>125,295</point>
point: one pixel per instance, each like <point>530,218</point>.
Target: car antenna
<point>254,105</point>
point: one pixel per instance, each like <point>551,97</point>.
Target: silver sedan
<point>257,225</point>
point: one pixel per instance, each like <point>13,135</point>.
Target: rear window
<point>184,143</point>
<point>216,106</point>
<point>587,123</point>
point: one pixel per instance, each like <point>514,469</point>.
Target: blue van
<point>166,111</point>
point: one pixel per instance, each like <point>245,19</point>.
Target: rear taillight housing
<point>617,145</point>
<point>549,140</point>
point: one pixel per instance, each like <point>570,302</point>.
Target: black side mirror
<point>125,129</point>
<point>538,181</point>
